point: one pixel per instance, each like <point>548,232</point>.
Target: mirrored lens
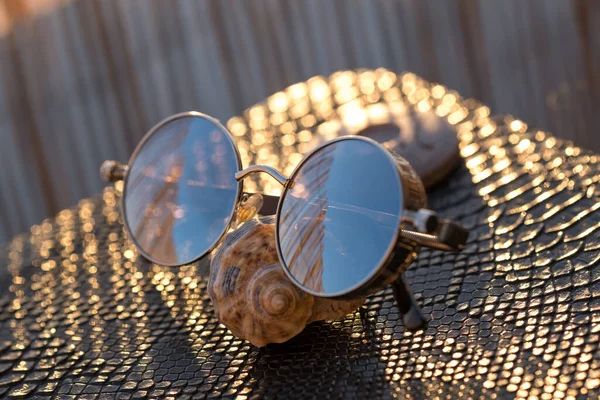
<point>180,191</point>
<point>340,216</point>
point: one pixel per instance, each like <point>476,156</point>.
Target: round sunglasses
<point>350,219</point>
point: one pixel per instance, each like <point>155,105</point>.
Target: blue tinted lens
<point>340,216</point>
<point>181,190</point>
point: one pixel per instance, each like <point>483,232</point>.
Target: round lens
<point>339,216</point>
<point>180,190</point>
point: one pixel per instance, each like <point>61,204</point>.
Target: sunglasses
<point>350,219</point>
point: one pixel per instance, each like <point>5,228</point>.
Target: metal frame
<point>139,148</point>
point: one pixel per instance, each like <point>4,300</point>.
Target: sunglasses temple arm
<point>412,316</point>
<point>448,237</point>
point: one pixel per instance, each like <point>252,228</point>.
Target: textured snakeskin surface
<point>516,314</point>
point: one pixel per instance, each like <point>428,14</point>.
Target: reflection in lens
<point>181,190</point>
<point>340,215</point>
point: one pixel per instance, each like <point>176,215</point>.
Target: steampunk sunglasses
<point>350,219</point>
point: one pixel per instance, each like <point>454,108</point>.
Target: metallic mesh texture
<point>515,314</point>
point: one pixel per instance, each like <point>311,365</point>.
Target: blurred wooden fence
<point>83,81</point>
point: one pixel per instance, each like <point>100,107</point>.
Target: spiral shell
<point>254,298</point>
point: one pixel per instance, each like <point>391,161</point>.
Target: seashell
<point>249,207</point>
<point>254,298</point>
<point>328,309</point>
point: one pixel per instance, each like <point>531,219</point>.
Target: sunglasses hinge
<point>113,171</point>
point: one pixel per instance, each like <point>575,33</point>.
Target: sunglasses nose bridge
<point>262,168</point>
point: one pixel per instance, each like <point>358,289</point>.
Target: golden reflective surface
<point>514,315</point>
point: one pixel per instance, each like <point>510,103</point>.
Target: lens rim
<point>384,272</point>
<point>139,148</point>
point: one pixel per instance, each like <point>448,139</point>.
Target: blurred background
<point>81,81</point>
